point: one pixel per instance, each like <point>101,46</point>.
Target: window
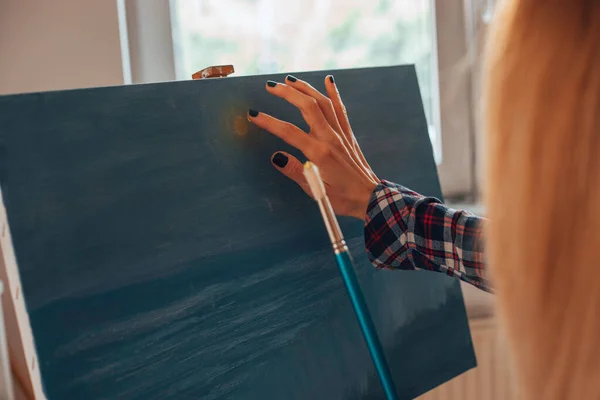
<point>266,36</point>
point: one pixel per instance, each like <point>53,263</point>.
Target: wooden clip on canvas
<point>217,71</point>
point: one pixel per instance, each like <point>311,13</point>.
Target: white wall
<point>58,44</point>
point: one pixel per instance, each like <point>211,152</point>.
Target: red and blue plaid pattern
<point>405,230</point>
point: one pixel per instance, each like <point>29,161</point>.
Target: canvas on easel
<point>160,255</point>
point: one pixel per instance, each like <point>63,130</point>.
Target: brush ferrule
<point>331,222</point>
<point>313,178</point>
<point>340,247</point>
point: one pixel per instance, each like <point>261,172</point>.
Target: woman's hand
<point>330,144</point>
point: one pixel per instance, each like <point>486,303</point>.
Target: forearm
<point>405,230</point>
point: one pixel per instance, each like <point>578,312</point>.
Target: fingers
<point>338,106</point>
<point>289,133</point>
<point>342,116</point>
<point>324,102</point>
<point>326,137</point>
<point>309,107</point>
<point>291,167</point>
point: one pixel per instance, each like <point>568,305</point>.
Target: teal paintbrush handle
<point>346,266</point>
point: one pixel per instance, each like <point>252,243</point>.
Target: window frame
<point>152,58</point>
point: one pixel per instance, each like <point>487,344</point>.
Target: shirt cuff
<point>386,226</point>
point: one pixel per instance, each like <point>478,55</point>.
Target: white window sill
<point>474,208</point>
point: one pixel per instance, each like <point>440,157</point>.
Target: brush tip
<point>311,173</point>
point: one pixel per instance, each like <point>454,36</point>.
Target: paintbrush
<point>346,266</point>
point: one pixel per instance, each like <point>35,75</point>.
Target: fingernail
<point>291,78</point>
<point>280,160</point>
<point>331,79</point>
<point>271,83</point>
<point>252,113</point>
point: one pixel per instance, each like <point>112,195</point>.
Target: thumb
<point>291,167</point>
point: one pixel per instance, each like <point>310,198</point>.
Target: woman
<point>542,121</point>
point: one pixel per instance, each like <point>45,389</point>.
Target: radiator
<point>490,380</point>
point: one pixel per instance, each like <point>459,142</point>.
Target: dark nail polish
<point>331,79</point>
<point>253,113</point>
<point>271,83</point>
<point>291,78</point>
<point>280,160</point>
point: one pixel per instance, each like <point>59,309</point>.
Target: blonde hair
<point>542,123</point>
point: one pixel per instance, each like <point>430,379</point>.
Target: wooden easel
<point>19,338</point>
<point>6,385</point>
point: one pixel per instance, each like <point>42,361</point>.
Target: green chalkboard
<point>162,256</point>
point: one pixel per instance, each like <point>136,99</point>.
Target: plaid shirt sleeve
<point>405,230</point>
